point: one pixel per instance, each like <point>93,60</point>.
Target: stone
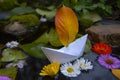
<point>97,73</point>
<point>109,34</point>
<point>15,28</point>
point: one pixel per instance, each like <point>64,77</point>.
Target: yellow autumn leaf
<point>66,23</point>
<point>116,72</point>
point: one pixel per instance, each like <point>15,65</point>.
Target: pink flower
<point>109,61</point>
<point>4,78</point>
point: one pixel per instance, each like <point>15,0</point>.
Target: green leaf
<point>48,14</point>
<point>101,5</point>
<point>8,4</point>
<point>108,9</point>
<point>51,7</point>
<point>43,38</point>
<point>118,3</point>
<point>10,72</point>
<point>20,11</point>
<point>7,58</point>
<point>79,7</point>
<point>102,1</point>
<point>94,17</point>
<point>0,62</point>
<point>93,7</point>
<point>54,39</point>
<point>24,4</point>
<point>86,22</point>
<point>88,47</point>
<point>12,55</point>
<point>34,49</point>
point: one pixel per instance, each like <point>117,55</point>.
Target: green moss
<point>28,19</point>
<point>7,4</point>
<point>10,72</point>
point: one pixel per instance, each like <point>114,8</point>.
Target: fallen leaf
<point>66,23</point>
<point>116,72</point>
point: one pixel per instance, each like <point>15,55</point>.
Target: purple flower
<point>4,78</point>
<point>109,62</point>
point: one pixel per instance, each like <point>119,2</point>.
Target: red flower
<point>102,48</point>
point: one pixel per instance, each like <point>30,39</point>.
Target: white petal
<point>64,68</point>
<point>9,65</point>
<point>12,44</point>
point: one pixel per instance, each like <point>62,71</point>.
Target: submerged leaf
<point>20,10</point>
<point>53,38</point>
<point>66,23</point>
<point>116,72</point>
<point>43,38</point>
<point>10,72</point>
<point>34,49</point>
<point>12,55</point>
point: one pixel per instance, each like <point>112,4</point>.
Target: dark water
<point>33,67</point>
<point>31,71</point>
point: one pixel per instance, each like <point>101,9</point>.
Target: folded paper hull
<point>66,54</point>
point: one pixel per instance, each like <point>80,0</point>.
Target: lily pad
<point>54,39</point>
<point>20,10</point>
<point>34,50</point>
<point>43,38</point>
<point>47,13</point>
<point>10,72</point>
<point>12,55</point>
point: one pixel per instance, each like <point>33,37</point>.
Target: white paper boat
<point>66,54</point>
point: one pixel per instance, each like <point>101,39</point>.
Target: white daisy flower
<point>42,19</point>
<point>12,44</point>
<point>83,64</point>
<point>70,70</point>
<point>19,64</point>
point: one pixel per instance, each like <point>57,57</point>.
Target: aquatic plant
<point>7,4</point>
<point>28,19</point>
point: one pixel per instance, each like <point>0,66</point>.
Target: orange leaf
<point>66,23</point>
<point>116,72</point>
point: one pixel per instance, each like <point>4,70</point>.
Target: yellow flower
<point>50,70</point>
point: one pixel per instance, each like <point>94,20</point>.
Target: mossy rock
<point>27,19</point>
<point>7,4</point>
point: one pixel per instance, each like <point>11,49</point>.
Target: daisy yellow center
<point>85,65</point>
<point>70,70</point>
<point>80,65</point>
<point>12,43</point>
<point>109,61</point>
